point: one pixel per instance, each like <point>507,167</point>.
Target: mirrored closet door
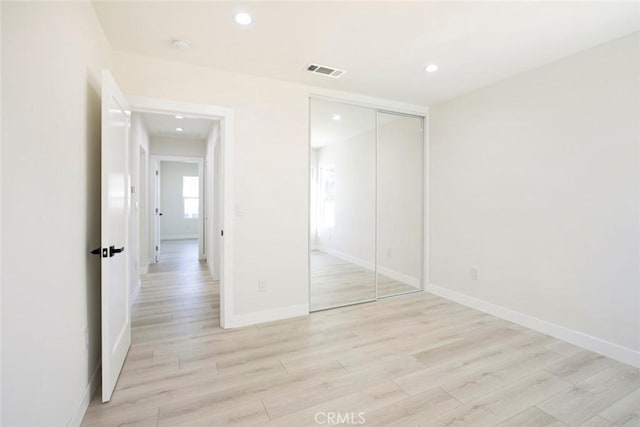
<point>342,205</point>
<point>399,200</point>
<point>365,204</point>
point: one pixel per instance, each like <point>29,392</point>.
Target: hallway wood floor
<point>414,360</point>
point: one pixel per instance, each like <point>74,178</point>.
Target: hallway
<point>406,361</point>
<point>175,312</point>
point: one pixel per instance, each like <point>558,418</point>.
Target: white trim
<point>85,399</point>
<point>135,292</point>
<point>369,102</point>
<point>179,237</point>
<point>226,117</point>
<point>268,316</point>
<point>400,277</point>
<point>426,171</point>
<point>606,348</point>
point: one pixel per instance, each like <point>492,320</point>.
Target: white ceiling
<point>165,125</point>
<point>384,46</point>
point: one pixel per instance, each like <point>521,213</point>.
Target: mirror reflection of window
<point>190,195</point>
<point>327,186</point>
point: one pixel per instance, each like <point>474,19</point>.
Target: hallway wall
<point>138,216</point>
<point>52,58</point>
<point>173,224</point>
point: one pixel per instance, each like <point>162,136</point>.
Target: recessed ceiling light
<point>336,117</point>
<point>243,18</point>
<point>179,129</point>
<point>431,68</point>
<point>179,117</point>
<point>180,45</point>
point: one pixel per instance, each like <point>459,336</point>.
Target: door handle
<point>103,252</point>
<point>113,250</point>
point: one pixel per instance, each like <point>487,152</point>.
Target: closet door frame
<point>424,256</point>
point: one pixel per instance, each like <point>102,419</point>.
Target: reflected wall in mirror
<point>342,204</point>
<point>400,213</point>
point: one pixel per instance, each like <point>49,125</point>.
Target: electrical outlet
<point>474,273</point>
<point>85,334</point>
<point>262,285</point>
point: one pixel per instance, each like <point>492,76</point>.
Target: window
<point>190,195</point>
<point>328,196</point>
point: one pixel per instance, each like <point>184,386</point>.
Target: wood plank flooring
<point>413,360</point>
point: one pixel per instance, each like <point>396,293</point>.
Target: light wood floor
<point>336,282</point>
<point>414,360</point>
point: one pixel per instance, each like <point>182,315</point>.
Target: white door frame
<point>226,197</point>
<point>200,162</point>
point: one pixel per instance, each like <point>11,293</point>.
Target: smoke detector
<point>180,45</point>
<point>325,70</point>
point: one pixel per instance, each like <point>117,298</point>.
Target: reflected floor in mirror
<point>336,282</point>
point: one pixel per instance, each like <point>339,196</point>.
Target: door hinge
<point>156,210</point>
<point>222,233</point>
<point>156,247</point>
<point>156,172</point>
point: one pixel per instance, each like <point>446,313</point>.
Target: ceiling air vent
<point>325,71</point>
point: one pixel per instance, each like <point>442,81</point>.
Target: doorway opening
<point>179,212</point>
<point>185,230</point>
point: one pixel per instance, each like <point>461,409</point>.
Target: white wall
<point>161,146</point>
<point>354,233</point>
<point>144,209</point>
<point>270,172</point>
<point>52,58</point>
<point>173,224</point>
<point>534,181</point>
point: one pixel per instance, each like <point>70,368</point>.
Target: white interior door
<point>116,321</point>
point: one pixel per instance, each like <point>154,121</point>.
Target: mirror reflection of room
<point>365,204</point>
<point>343,204</point>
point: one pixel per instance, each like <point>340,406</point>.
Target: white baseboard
<point>353,260</point>
<point>179,237</point>
<point>237,321</point>
<point>400,277</point>
<point>135,293</point>
<point>392,274</point>
<point>597,345</point>
<point>85,399</point>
